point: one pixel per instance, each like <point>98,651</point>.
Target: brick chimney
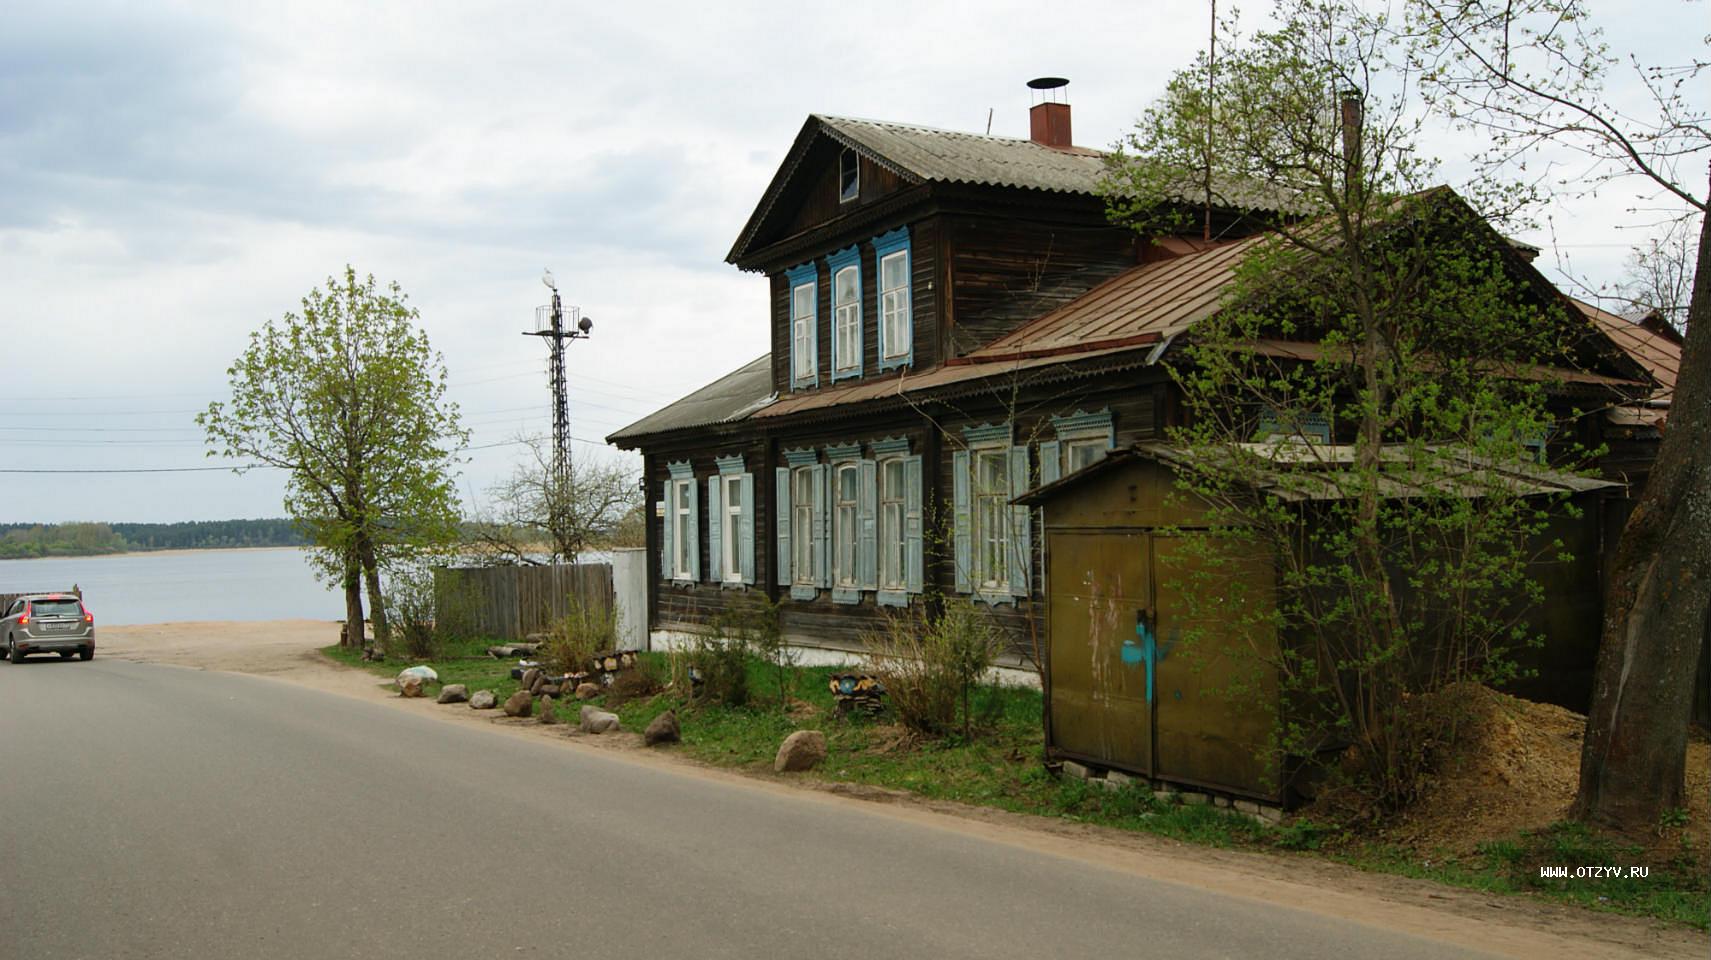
<point>1048,120</point>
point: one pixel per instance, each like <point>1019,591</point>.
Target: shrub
<point>576,637</point>
<point>931,664</point>
<point>410,609</point>
<point>754,620</point>
<point>720,658</point>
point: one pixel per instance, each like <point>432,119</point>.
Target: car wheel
<point>66,654</point>
<point>87,653</point>
<point>12,651</point>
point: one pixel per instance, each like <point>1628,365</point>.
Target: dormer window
<point>849,176</point>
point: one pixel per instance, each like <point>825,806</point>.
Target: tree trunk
<point>354,636</point>
<point>1634,757</point>
<point>376,602</point>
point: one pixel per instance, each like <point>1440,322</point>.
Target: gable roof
<point>1658,352</point>
<point>920,154</point>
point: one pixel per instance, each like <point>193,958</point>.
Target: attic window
<point>849,176</point>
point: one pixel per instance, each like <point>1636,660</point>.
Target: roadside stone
<point>587,691</point>
<point>483,700</point>
<point>520,704</point>
<point>548,716</point>
<point>596,720</point>
<point>1118,777</point>
<point>549,690</point>
<point>1077,770</point>
<point>1247,806</point>
<point>453,693</point>
<point>1194,799</point>
<point>1271,815</point>
<point>663,729</point>
<point>802,750</point>
<point>409,685</point>
<point>536,687</point>
<point>1111,784</point>
<point>1220,801</point>
<point>530,677</point>
<point>1165,796</point>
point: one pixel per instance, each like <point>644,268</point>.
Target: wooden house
<point>954,321</point>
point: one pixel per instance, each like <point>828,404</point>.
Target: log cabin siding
<point>1005,271</point>
<point>820,205</point>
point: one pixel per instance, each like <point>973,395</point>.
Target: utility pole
<point>550,326</point>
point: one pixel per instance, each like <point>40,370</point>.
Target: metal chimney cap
<point>1047,83</point>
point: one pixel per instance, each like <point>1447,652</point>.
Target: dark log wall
<point>821,204</point>
<point>1006,271</point>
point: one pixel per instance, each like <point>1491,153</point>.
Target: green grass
<point>1000,766</point>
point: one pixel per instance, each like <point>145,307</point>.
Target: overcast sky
<point>171,175</point>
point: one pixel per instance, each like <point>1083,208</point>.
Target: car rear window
<point>56,608</point>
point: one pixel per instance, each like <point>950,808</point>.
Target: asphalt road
<point>150,811</point>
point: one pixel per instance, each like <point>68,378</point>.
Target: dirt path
<point>1508,926</point>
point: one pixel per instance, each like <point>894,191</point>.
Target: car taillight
<point>26,617</point>
<point>88,617</point>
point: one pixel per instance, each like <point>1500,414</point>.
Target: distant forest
<point>23,540</point>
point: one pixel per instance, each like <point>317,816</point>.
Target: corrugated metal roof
<point>731,397</point>
<point>1660,355</point>
<point>1298,472</point>
<point>1162,298</point>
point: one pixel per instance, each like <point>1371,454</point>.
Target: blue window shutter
<point>694,533</point>
<point>715,540</point>
<point>960,520</point>
<point>746,545</point>
<point>913,560</point>
<point>781,523</point>
<point>668,540</point>
<point>867,524</point>
<point>822,553</point>
<point>1051,462</point>
<point>1021,525</point>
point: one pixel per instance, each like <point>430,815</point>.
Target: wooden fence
<point>509,603</point>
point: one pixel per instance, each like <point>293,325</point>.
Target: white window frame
<point>802,571</point>
<point>846,319</point>
<point>989,512</point>
<point>802,332</point>
<point>893,517</point>
<point>1099,443</point>
<point>731,488</point>
<point>894,317</point>
<point>682,565</point>
<point>845,524</point>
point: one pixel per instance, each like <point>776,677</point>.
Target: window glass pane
<point>802,300</point>
<point>846,285</point>
<point>893,272</point>
<point>1080,453</point>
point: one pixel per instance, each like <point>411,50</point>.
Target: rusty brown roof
<point>1154,300</point>
<point>1658,353</point>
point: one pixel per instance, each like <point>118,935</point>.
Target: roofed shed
<point>1125,692</point>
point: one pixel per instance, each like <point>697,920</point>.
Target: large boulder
<point>802,750</point>
<point>548,715</point>
<point>425,672</point>
<point>587,691</point>
<point>409,685</point>
<point>531,676</point>
<point>453,693</point>
<point>595,720</point>
<point>663,729</point>
<point>520,704</point>
<point>483,700</point>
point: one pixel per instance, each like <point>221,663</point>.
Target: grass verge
<point>1000,766</point>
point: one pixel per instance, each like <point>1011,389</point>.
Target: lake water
<point>260,584</point>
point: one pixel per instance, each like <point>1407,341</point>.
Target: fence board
<point>513,602</point>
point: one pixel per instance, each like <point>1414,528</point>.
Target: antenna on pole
<point>550,326</point>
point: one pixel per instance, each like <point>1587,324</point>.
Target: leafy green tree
<point>1529,75</point>
<point>348,397</point>
<point>1373,340</point>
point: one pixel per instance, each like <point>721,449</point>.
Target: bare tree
<point>598,501</point>
<point>1659,274</point>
